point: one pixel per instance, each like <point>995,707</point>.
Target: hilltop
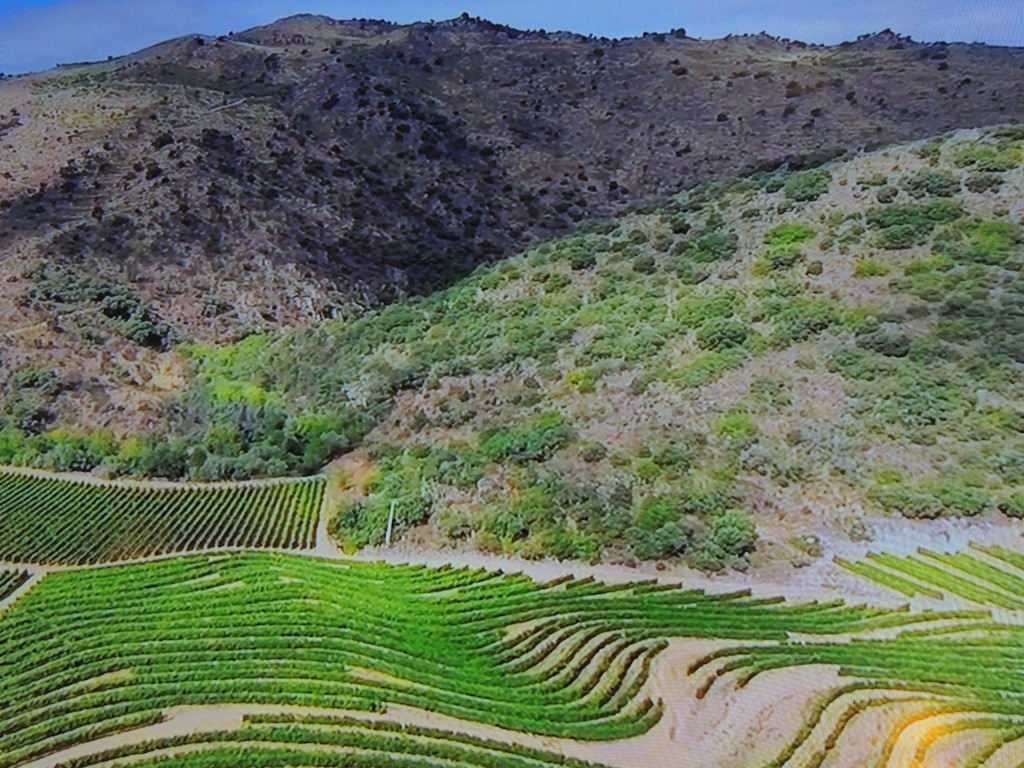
<point>208,187</point>
<point>796,352</point>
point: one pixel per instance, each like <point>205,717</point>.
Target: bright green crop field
<point>91,652</point>
<point>54,520</point>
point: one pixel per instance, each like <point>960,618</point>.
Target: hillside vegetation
<point>208,187</point>
<point>772,344</point>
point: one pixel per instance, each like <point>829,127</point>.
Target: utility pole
<point>391,524</point>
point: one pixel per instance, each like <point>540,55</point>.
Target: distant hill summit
<point>208,186</point>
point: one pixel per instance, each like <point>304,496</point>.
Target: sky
<point>37,34</point>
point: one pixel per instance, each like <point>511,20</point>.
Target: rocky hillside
<point>799,350</point>
<point>207,186</point>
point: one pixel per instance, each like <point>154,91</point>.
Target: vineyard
<point>992,576</point>
<point>283,740</point>
<point>55,520</point>
<point>91,652</point>
<point>568,658</point>
<point>964,675</point>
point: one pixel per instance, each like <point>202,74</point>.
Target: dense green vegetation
<point>121,643</point>
<point>548,513</point>
<point>57,520</point>
<point>98,305</point>
<point>240,434</point>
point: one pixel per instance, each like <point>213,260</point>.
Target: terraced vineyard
<point>991,576</point>
<point>56,520</point>
<point>570,658</point>
<point>966,675</point>
<point>314,741</point>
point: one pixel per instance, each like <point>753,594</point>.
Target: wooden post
<point>391,524</point>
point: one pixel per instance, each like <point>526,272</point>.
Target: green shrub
<point>931,499</point>
<point>27,399</point>
<point>734,534</point>
<point>807,186</point>
<point>662,241</point>
<point>707,498</point>
<point>533,440</point>
<point>798,319</point>
<point>583,379</point>
<point>777,260</point>
<point>932,183</point>
<point>868,267</point>
<point>737,428</point>
<point>581,258</point>
<point>663,527</point>
<point>929,265</point>
<point>731,540</point>
<point>1012,504</point>
<point>992,242</point>
<point>554,282</point>
<point>783,243</point>
<point>930,150</point>
<point>989,158</point>
<point>721,333</point>
<point>668,541</point>
<point>886,194</point>
<point>886,340</point>
<point>459,466</point>
<point>706,367</point>
<point>904,226</point>
<point>787,235</point>
<point>679,224</point>
<point>644,264</point>
<point>677,456</point>
<point>688,273</point>
<point>875,180</point>
<point>983,182</point>
<point>712,246</point>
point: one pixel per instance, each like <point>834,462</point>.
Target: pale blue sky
<point>36,34</point>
